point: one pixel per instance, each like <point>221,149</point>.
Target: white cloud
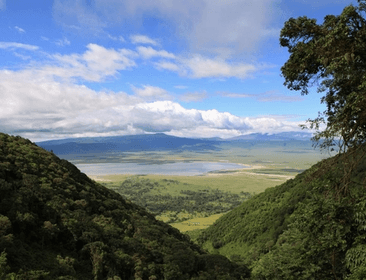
<point>205,132</point>
<point>49,101</point>
<point>203,67</point>
<point>43,107</point>
<point>63,42</point>
<point>193,96</point>
<point>166,65</point>
<point>13,45</point>
<point>115,38</point>
<point>149,52</point>
<point>94,65</point>
<point>20,30</point>
<point>271,96</point>
<point>44,38</point>
<point>142,39</point>
<point>198,66</point>
<point>233,94</point>
<point>149,93</point>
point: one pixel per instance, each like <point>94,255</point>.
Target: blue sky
<point>192,68</point>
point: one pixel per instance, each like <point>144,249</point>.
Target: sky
<point>188,68</point>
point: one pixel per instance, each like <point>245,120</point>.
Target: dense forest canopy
<point>56,223</point>
<point>300,229</point>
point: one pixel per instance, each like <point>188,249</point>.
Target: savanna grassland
<point>195,202</point>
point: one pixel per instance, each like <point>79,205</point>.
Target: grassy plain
<point>268,164</point>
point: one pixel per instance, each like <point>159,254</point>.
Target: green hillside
<point>310,227</point>
<point>56,223</point>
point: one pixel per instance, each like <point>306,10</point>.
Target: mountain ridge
<point>157,142</point>
<point>56,223</point>
<point>310,227</point>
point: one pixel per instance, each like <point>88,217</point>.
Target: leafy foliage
<point>56,223</point>
<point>301,229</point>
<point>334,53</point>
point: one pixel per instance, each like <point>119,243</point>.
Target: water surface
<point>177,168</point>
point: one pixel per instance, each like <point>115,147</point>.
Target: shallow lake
<point>177,168</point>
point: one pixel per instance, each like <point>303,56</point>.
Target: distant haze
<point>154,142</point>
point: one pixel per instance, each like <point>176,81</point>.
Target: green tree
<point>331,54</point>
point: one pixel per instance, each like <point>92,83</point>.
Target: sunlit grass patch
<point>196,223</point>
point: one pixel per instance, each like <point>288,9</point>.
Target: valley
<point>240,168</point>
<point>250,222</point>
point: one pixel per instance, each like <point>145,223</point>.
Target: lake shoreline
<point>176,169</point>
<point>102,177</point>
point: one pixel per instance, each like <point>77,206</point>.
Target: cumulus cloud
<point>20,30</point>
<point>14,45</point>
<point>42,106</point>
<point>50,102</point>
<point>142,39</point>
<point>94,65</point>
<point>151,93</point>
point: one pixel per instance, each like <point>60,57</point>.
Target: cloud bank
<point>52,102</point>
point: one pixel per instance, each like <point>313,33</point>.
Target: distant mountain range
<point>283,136</point>
<point>156,142</point>
<point>130,143</point>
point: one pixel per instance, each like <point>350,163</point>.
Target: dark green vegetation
<point>334,54</point>
<point>56,223</point>
<point>314,226</point>
<point>302,229</point>
<point>156,198</point>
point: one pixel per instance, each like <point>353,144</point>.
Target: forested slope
<point>310,227</point>
<point>56,223</point>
